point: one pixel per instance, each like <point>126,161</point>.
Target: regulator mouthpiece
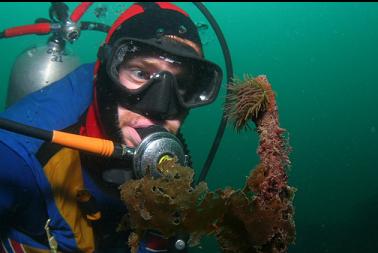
<point>154,149</point>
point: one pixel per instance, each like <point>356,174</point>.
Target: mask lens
<point>119,68</point>
<point>200,85</point>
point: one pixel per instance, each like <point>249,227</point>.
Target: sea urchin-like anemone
<point>247,98</point>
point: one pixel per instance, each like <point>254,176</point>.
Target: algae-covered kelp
<point>257,218</point>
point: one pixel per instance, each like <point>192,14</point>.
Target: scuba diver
<point>150,72</point>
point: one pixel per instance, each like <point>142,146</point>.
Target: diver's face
<point>133,75</point>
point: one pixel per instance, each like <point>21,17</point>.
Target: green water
<point>321,59</point>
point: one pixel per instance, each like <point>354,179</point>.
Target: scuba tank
<point>39,66</point>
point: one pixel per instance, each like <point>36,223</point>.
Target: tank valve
<point>71,31</point>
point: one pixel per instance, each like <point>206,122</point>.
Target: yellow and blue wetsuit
<point>38,198</point>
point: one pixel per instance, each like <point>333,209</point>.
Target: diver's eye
<point>139,74</point>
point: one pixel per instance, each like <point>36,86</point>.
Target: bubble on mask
<point>160,32</point>
<point>182,29</point>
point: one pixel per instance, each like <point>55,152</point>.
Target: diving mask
<point>190,82</point>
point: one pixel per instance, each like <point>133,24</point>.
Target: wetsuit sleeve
<point>54,107</point>
<point>16,182</point>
